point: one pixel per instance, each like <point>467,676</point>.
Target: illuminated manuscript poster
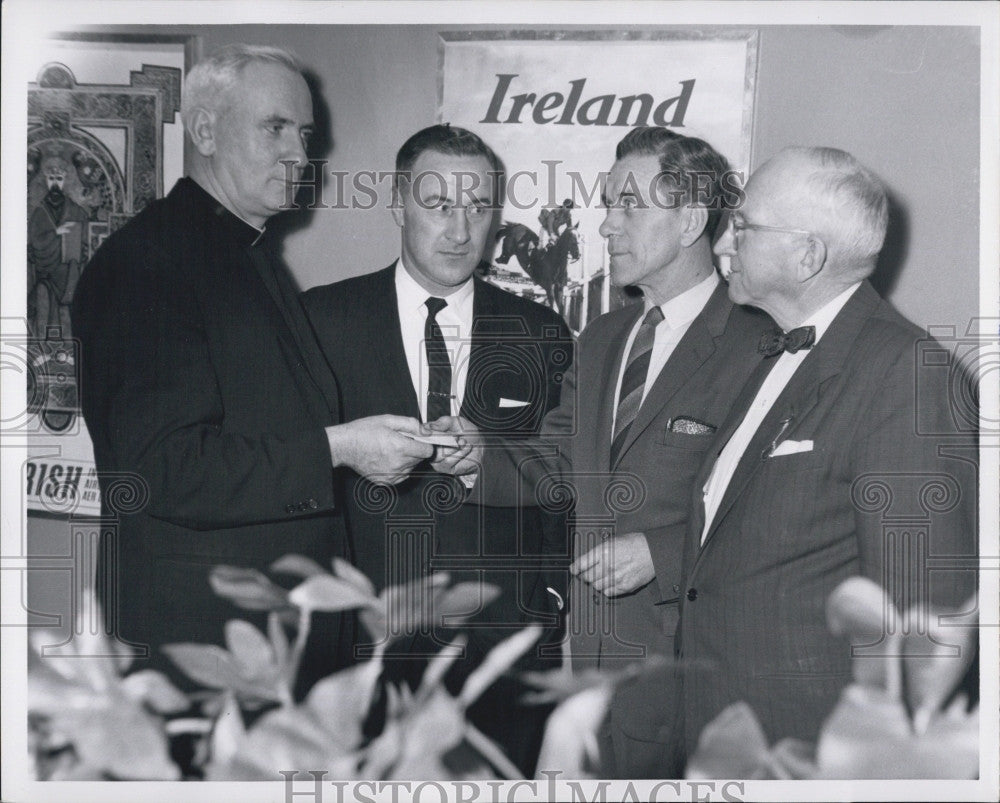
<point>554,106</point>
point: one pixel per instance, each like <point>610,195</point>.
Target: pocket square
<point>792,447</point>
<point>512,403</point>
<point>689,426</point>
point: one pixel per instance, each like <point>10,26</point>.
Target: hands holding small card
<point>464,454</point>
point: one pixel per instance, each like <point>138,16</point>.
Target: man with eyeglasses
<point>787,505</point>
<point>425,338</point>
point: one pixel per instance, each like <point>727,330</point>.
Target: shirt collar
<point>823,317</point>
<point>681,310</point>
<point>412,295</point>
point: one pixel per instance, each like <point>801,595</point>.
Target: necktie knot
<point>775,342</point>
<point>435,305</point>
<point>654,317</point>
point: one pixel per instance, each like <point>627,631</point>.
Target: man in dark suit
<point>424,338</point>
<point>209,403</point>
<point>650,385</point>
<point>824,469</point>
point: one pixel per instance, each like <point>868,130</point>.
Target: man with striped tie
<point>649,387</point>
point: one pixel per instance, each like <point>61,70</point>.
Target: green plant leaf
<point>121,739</point>
<point>570,741</point>
<point>340,702</point>
<point>324,592</point>
<point>216,668</point>
<point>439,665</point>
<point>732,745</point>
<point>463,600</point>
<point>153,688</point>
<point>279,641</point>
<point>297,565</point>
<point>354,576</point>
<point>868,735</point>
<point>861,610</point>
<point>498,660</point>
<point>251,650</point>
<point>247,588</point>
<point>935,658</point>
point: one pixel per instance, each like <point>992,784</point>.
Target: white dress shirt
<point>777,379</point>
<point>678,313</point>
<point>455,321</point>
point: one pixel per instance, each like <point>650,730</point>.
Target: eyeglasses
<point>738,224</point>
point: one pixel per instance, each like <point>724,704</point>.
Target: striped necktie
<point>634,380</point>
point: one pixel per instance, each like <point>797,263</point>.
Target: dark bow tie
<point>772,343</point>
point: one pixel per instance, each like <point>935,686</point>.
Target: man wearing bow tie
<point>839,418</point>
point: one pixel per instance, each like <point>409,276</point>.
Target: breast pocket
<point>683,440</point>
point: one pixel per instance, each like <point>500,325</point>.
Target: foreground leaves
<point>111,725</point>
<point>889,723</point>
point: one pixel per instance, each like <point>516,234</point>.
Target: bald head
<point>828,192</point>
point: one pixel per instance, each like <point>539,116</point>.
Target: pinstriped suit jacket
<point>887,469</point>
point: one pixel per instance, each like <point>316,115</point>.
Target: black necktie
<point>438,363</point>
<point>775,342</point>
<point>634,380</point>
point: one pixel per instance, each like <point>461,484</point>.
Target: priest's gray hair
<point>209,82</point>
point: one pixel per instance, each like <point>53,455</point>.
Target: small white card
<point>435,439</point>
<point>792,447</point>
<point>512,403</point>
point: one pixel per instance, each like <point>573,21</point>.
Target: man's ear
<point>397,203</point>
<point>696,219</point>
<point>201,130</point>
<point>812,260</point>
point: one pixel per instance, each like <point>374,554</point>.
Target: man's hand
<point>618,566</point>
<point>465,458</point>
<point>377,447</point>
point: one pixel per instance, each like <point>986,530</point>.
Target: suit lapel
<point>386,334</point>
<point>795,402</point>
<point>696,346</point>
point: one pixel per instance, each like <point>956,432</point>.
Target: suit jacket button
<point>313,504</point>
<point>289,508</point>
<point>692,594</point>
<point>676,588</point>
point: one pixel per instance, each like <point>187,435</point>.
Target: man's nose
<point>296,151</point>
<point>610,224</point>
<point>458,225</point>
<point>726,244</point>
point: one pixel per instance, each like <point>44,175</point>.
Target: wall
<point>905,100</point>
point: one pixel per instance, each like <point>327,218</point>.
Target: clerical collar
<point>245,233</point>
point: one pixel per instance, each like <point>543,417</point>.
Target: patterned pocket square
<point>689,426</point>
<point>792,447</point>
<point>512,403</point>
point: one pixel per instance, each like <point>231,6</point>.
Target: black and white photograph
<point>480,401</point>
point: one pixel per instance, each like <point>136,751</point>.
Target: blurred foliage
<point>90,722</point>
<point>898,719</point>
